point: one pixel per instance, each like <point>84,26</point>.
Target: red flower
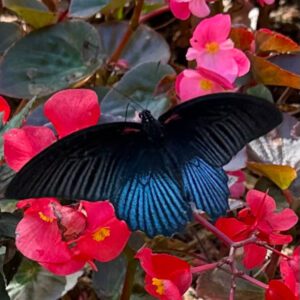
<point>68,110</point>
<point>4,109</point>
<point>63,238</point>
<point>290,271</point>
<point>72,110</point>
<point>258,219</point>
<point>277,290</point>
<point>167,277</point>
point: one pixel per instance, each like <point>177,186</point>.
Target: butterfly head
<point>151,126</point>
<point>146,116</point>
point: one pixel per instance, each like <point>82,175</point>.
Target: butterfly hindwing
<point>206,187</point>
<point>152,198</point>
<point>216,127</point>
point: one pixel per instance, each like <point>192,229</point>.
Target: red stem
<point>152,14</point>
<point>203,268</point>
<point>219,234</point>
<point>253,280</point>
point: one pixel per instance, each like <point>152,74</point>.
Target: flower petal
<point>260,203</point>
<point>242,61</point>
<point>254,255</point>
<point>4,109</point>
<point>233,228</point>
<point>72,110</point>
<point>283,220</point>
<point>279,239</point>
<point>38,237</point>
<point>180,9</point>
<point>199,8</point>
<point>165,289</point>
<point>277,290</point>
<point>166,267</point>
<point>214,29</point>
<point>66,268</point>
<point>105,236</point>
<point>20,145</point>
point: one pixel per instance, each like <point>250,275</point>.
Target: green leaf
<point>50,59</point>
<point>86,8</point>
<point>16,122</point>
<point>8,224</point>
<point>32,12</point>
<point>261,91</point>
<point>9,34</point>
<point>113,5</point>
<point>108,281</point>
<point>138,86</point>
<point>145,44</point>
<point>35,283</point>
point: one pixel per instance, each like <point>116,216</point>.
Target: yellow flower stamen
<point>45,218</point>
<point>101,234</point>
<point>206,85</point>
<point>159,284</point>
<point>212,47</point>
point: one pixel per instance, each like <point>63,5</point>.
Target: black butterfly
<point>153,170</point>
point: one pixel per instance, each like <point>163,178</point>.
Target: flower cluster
<point>258,220</point>
<point>182,9</point>
<point>215,54</point>
<point>64,238</point>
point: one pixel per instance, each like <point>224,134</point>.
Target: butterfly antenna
<point>156,72</point>
<point>129,98</point>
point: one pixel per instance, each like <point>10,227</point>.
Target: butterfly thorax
<point>152,127</point>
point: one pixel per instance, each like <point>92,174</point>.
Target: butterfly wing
<point>111,161</point>
<point>216,127</point>
<point>206,133</point>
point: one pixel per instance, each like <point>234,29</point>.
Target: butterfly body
<point>152,127</point>
<point>152,171</point>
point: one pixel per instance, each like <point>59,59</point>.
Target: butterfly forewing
<point>88,164</point>
<point>216,127</point>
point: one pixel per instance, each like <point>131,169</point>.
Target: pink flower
<point>63,239</point>
<point>213,50</point>
<point>167,277</point>
<point>194,83</point>
<point>259,219</point>
<point>237,190</point>
<point>290,272</point>
<point>68,110</point>
<point>263,2</point>
<point>182,9</point>
<point>4,109</point>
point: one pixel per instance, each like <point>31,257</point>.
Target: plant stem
<point>152,14</point>
<point>133,25</point>
<point>218,233</point>
<point>130,273</point>
<point>203,268</point>
<point>253,280</point>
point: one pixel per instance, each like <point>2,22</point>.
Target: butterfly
<point>153,170</point>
